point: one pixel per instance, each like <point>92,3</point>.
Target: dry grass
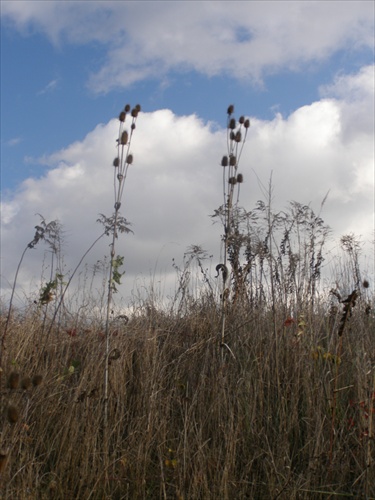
<point>185,424</point>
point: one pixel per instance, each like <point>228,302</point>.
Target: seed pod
<point>240,178</point>
<point>127,108</point>
<point>120,177</point>
<point>37,380</point>
<point>241,120</point>
<point>26,383</point>
<point>224,161</point>
<point>134,112</point>
<point>122,116</point>
<point>247,123</point>
<point>124,138</point>
<point>365,284</point>
<point>12,414</point>
<point>13,380</point>
<point>117,205</point>
<point>232,135</point>
<point>138,107</point>
<point>129,159</point>
<point>232,161</point>
<point>230,109</point>
<point>232,123</point>
<point>238,137</point>
<point>232,180</point>
<point>116,162</point>
<point>133,126</point>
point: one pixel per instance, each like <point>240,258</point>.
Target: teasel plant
<point>117,224</point>
<point>232,180</point>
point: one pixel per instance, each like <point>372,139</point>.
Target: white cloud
<point>241,39</point>
<point>14,141</point>
<point>175,182</point>
<point>49,87</point>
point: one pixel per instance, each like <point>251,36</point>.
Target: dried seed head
<point>117,205</point>
<point>232,180</point>
<point>127,108</point>
<point>12,414</point>
<point>240,178</point>
<point>26,383</point>
<point>13,380</point>
<point>232,123</point>
<point>230,109</point>
<point>138,107</point>
<point>232,135</point>
<point>241,120</point>
<point>37,380</point>
<point>135,112</point>
<point>365,284</point>
<point>129,159</point>
<point>224,161</point>
<point>133,126</point>
<point>124,138</point>
<point>116,162</point>
<point>247,123</point>
<point>122,116</point>
<point>232,161</point>
<point>120,177</point>
<point>238,137</point>
<point>4,457</point>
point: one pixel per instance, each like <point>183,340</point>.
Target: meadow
<point>256,383</point>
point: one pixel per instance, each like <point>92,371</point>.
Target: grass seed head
<point>37,380</point>
<point>14,380</point>
<point>26,383</point>
<point>13,414</point>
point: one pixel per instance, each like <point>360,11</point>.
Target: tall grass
<point>286,411</point>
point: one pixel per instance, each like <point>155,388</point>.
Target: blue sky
<point>68,67</point>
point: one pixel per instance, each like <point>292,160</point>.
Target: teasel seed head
<point>117,205</point>
<point>224,161</point>
<point>232,135</point>
<point>241,120</point>
<point>122,116</point>
<point>129,159</point>
<point>240,178</point>
<point>127,108</point>
<point>26,383</point>
<point>137,107</point>
<point>247,123</point>
<point>238,137</point>
<point>232,161</point>
<point>365,284</point>
<point>232,180</point>
<point>230,109</point>
<point>13,414</point>
<point>37,380</point>
<point>124,138</point>
<point>135,112</point>
<point>13,380</point>
<point>232,123</point>
<point>116,162</point>
<point>132,126</point>
<point>120,177</point>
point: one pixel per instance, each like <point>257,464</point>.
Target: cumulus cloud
<point>245,40</point>
<point>175,182</point>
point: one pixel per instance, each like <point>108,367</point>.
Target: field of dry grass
<point>287,417</point>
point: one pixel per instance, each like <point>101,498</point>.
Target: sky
<point>302,71</point>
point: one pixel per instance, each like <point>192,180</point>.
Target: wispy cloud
<point>14,141</point>
<point>50,87</point>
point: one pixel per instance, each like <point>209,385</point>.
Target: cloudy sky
<point>303,71</point>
